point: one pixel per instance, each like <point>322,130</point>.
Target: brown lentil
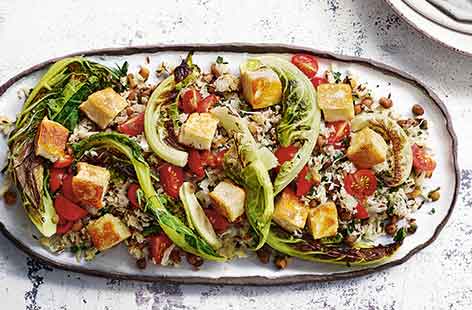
<point>131,81</point>
<point>357,109</point>
<point>132,95</point>
<point>9,197</point>
<point>367,101</point>
<point>194,260</point>
<point>385,102</point>
<point>417,110</point>
<point>350,240</point>
<point>391,229</point>
<point>141,263</point>
<point>434,196</point>
<point>144,72</point>
<point>264,255</point>
<point>281,262</point>
<point>175,256</point>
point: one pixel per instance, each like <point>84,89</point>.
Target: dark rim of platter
<point>248,48</point>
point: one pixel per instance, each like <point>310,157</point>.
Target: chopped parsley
<point>220,60</point>
<point>400,235</point>
<point>337,76</point>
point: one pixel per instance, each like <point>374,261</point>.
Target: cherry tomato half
<point>68,210</point>
<point>207,103</point>
<point>219,222</point>
<point>134,126</point>
<point>172,178</point>
<point>189,100</point>
<point>304,182</point>
<point>360,184</point>
<point>67,188</point>
<point>133,196</point>
<point>340,131</point>
<point>285,153</point>
<point>213,160</point>
<point>64,162</point>
<point>306,63</point>
<point>422,162</point>
<point>157,246</point>
<point>318,81</point>
<point>195,163</point>
<point>55,179</point>
<point>361,212</point>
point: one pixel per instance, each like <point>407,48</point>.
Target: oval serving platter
<point>116,263</point>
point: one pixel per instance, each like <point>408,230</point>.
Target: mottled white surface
<point>439,277</point>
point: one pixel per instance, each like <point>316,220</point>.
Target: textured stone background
<point>440,277</point>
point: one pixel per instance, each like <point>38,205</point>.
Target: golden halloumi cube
<point>290,213</point>
<point>229,199</point>
<point>323,220</point>
<point>107,231</point>
<point>335,100</point>
<point>198,131</point>
<point>367,148</point>
<point>51,140</point>
<point>102,106</point>
<point>261,88</point>
<point>90,185</point>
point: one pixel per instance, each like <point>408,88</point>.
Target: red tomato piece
<point>219,222</point>
<point>213,160</point>
<point>304,182</point>
<point>189,100</point>
<point>341,130</point>
<point>308,64</point>
<point>157,246</point>
<point>64,162</point>
<point>207,103</point>
<point>285,153</point>
<point>195,163</point>
<point>318,81</point>
<point>68,210</point>
<point>134,126</point>
<point>360,184</point>
<point>67,188</point>
<point>217,159</point>
<point>422,162</point>
<point>55,179</point>
<point>133,196</point>
<point>63,226</point>
<point>172,178</point>
<point>361,212</point>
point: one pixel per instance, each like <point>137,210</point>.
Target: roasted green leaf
<point>301,117</point>
<point>154,127</point>
<point>178,232</point>
<point>326,253</point>
<point>57,95</point>
<point>245,166</point>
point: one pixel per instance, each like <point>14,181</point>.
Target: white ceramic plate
<point>459,41</point>
<point>431,12</point>
<point>117,263</point>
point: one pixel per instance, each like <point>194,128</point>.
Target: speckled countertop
<point>439,277</point>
